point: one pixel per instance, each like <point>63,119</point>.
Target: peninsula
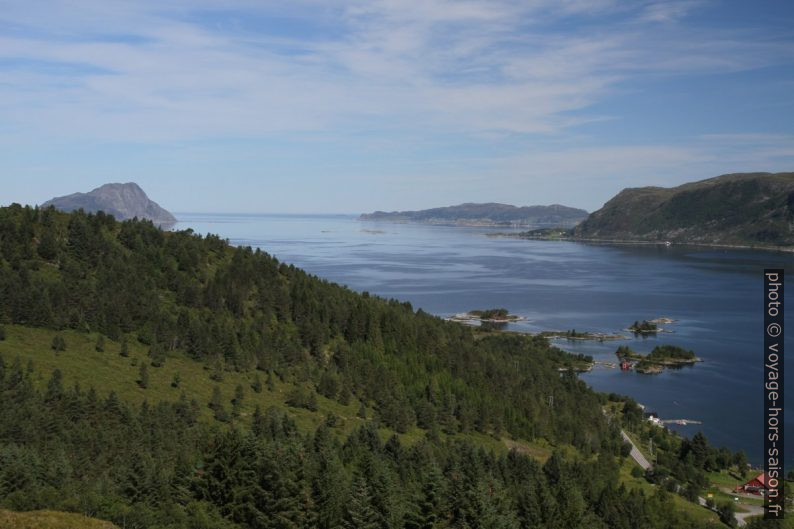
<point>742,210</point>
<point>488,214</point>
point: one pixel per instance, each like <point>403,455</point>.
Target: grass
<point>721,485</point>
<point>50,520</point>
<point>696,512</point>
<point>109,371</point>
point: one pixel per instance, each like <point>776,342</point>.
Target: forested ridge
<point>162,464</point>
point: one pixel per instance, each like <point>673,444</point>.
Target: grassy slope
<point>697,512</point>
<point>108,371</point>
<point>50,520</point>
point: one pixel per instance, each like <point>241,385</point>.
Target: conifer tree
<point>237,401</point>
<point>359,512</point>
<point>143,376</point>
<point>54,386</point>
<point>58,343</point>
<point>100,344</point>
<point>157,354</point>
<point>216,400</point>
<point>256,385</point>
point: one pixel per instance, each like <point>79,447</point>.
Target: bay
<point>715,296</point>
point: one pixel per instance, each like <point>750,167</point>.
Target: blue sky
<point>325,106</point>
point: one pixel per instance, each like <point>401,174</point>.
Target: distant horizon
<point>364,211</point>
<point>377,105</point>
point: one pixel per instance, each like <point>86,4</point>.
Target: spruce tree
<point>344,395</point>
<point>216,401</point>
<point>100,344</point>
<point>124,350</point>
<point>58,343</point>
<point>143,376</point>
<point>237,401</point>
<point>157,354</point>
<point>256,385</point>
<point>359,511</point>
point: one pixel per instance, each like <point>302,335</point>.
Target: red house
<point>757,485</point>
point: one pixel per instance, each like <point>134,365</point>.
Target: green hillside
<point>736,209</point>
<point>161,379</point>
<point>50,520</point>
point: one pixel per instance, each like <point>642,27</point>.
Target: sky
<point>347,107</point>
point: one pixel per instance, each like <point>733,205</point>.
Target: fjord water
<point>715,296</point>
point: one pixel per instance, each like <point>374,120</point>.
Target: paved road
<point>635,452</point>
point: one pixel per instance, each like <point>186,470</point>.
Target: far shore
<point>639,242</point>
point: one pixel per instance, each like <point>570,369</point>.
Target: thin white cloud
<point>152,72</point>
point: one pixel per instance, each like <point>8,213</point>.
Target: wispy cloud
<point>155,71</point>
<point>427,84</point>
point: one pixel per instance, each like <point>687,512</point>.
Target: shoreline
<point>639,242</point>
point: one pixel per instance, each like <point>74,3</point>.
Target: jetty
<point>682,422</point>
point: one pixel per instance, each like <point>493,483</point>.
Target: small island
<point>644,327</point>
<point>661,357</point>
<point>489,315</point>
<point>573,334</point>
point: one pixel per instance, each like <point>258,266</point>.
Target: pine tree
<point>48,246</point>
<point>344,395</point>
<point>258,422</point>
<point>237,401</point>
<point>216,401</point>
<point>58,343</point>
<point>359,511</point>
<point>143,376</point>
<point>256,385</point>
<point>54,387</point>
<point>157,355</point>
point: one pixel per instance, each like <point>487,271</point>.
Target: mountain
<point>489,214</point>
<point>754,209</point>
<point>123,201</point>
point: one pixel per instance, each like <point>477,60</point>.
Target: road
<point>741,517</point>
<point>635,452</point>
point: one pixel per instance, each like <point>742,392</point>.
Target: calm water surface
<point>715,296</point>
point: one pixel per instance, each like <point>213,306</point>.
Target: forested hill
<point>241,309</point>
<point>744,209</point>
<point>130,447</point>
<point>490,214</point>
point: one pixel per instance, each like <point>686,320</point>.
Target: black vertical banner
<point>773,394</point>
